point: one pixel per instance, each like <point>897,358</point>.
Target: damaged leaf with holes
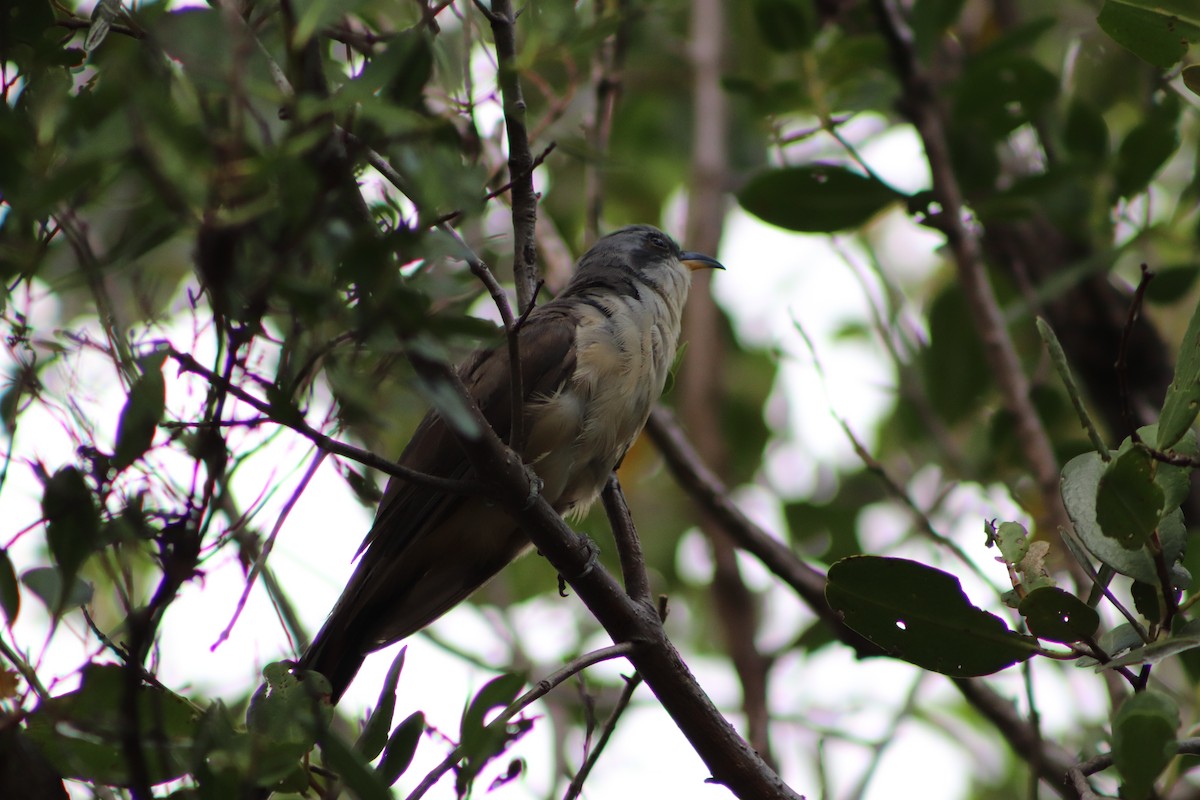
<point>921,615</point>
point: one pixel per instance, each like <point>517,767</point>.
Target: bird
<point>593,362</point>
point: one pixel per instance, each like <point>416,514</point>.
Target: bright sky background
<point>774,280</point>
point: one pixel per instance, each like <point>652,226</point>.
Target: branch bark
<point>520,157</point>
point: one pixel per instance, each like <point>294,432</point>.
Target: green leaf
<point>362,781</point>
<point>10,594</point>
<point>1191,78</point>
<point>1158,32</point>
<point>786,25</point>
<point>1129,503</point>
<point>1172,282</point>
<point>375,733</point>
<point>1147,147</point>
<point>285,717</point>
<point>480,742</point>
<point>1080,488</point>
<point>1143,740</point>
<point>142,412</point>
<point>47,584</point>
<point>1013,541</point>
<point>72,520</point>
<point>401,747</point>
<point>1058,616</point>
<point>921,615</point>
<point>820,198</point>
<point>1085,133</point>
<point>930,19</point>
<point>80,732</point>
<point>1183,395</point>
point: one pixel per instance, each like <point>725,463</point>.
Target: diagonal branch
<point>732,762</point>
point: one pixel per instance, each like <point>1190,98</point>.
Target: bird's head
<point>637,254</point>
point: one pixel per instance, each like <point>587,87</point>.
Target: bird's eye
<point>658,241</point>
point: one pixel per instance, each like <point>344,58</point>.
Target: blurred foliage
<point>208,181</point>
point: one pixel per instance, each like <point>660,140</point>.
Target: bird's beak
<point>695,261</point>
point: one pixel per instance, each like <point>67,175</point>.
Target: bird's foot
<point>536,484</point>
<point>592,554</point>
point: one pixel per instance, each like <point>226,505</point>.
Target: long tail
<point>336,653</point>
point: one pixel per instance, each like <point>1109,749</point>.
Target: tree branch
<point>920,105</point>
<point>731,761</point>
<point>520,158</point>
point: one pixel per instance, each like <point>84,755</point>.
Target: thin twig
<point>606,732</point>
<point>365,457</point>
<point>920,105</point>
<point>541,689</point>
<point>629,546</point>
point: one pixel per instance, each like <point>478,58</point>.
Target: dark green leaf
<point>1129,503</point>
<point>1186,638</point>
<point>1143,740</point>
<point>1058,616</point>
<point>1191,78</point>
<point>142,412</point>
<point>786,25</point>
<point>1183,395</point>
<point>921,615</point>
<point>1003,92</point>
<point>80,732</point>
<point>72,521</point>
<point>821,198</point>
<point>47,584</point>
<point>496,693</point>
<point>1080,487</point>
<point>1172,283</point>
<point>1152,34</point>
<point>362,781</point>
<point>401,747</point>
<point>375,733</point>
<point>10,594</point>
<point>930,19</point>
<point>1085,133</point>
<point>1147,147</point>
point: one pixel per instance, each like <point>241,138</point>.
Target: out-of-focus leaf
<point>80,732</point>
<point>1143,733</point>
<point>920,614</point>
<point>1191,78</point>
<point>72,520</point>
<point>142,412</point>
<point>10,593</point>
<point>954,365</point>
<point>930,19</point>
<point>1147,147</point>
<point>401,747</point>
<point>1129,503</point>
<point>285,716</point>
<point>819,198</point>
<point>1058,616</point>
<point>786,25</point>
<point>363,782</point>
<point>47,584</point>
<point>1172,282</point>
<point>1183,395</point>
<point>1158,32</point>
<point>1085,133</point>
<point>1001,93</point>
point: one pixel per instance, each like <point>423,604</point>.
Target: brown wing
<point>402,549</point>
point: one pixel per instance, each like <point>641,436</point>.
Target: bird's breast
<point>624,350</point>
